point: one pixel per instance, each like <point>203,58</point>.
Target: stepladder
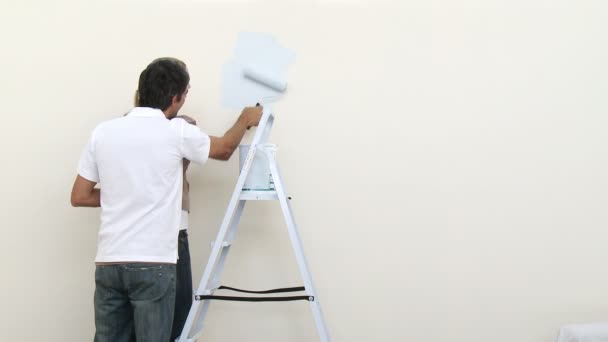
<point>259,151</point>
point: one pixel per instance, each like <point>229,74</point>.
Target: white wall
<point>447,161</point>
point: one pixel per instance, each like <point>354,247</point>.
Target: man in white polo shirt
<point>137,160</point>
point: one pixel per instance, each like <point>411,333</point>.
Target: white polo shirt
<point>137,160</point>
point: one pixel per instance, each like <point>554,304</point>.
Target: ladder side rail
<point>298,249</point>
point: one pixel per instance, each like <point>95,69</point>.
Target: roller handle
<point>257,105</point>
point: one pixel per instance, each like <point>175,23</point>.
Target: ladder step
<point>224,244</point>
<point>259,195</point>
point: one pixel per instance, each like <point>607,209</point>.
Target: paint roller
<point>265,78</point>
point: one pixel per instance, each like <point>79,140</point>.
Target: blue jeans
<point>134,302</point>
<point>183,285</point>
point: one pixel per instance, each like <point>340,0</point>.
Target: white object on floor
<point>591,332</point>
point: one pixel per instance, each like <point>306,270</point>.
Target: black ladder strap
<point>284,289</point>
<point>254,299</point>
<point>258,299</point>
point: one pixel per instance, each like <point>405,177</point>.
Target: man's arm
<point>84,193</point>
<point>223,147</point>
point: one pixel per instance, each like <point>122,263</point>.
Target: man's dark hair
<point>160,81</point>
